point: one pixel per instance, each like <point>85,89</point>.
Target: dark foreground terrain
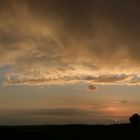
<point>66,132</point>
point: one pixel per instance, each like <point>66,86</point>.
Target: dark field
<point>66,132</point>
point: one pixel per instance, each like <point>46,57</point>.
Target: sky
<point>69,61</point>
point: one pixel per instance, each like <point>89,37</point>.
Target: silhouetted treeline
<point>135,119</point>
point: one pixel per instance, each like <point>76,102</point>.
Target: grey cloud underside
<point>50,112</point>
<point>57,112</point>
<point>52,115</point>
<point>63,37</point>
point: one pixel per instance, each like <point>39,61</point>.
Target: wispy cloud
<point>65,78</point>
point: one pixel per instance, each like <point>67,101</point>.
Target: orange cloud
<point>45,45</point>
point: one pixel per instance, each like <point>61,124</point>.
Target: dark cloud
<point>124,101</point>
<point>92,87</point>
<point>68,36</point>
<point>50,116</point>
<point>61,112</point>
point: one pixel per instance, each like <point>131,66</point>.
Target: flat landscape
<point>116,131</point>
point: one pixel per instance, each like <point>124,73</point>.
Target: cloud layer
<point>59,116</point>
<point>47,42</point>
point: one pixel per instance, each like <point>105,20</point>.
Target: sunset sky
<point>69,61</point>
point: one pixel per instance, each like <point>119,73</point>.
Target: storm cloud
<point>67,41</point>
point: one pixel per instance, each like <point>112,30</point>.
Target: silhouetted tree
<point>135,119</point>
